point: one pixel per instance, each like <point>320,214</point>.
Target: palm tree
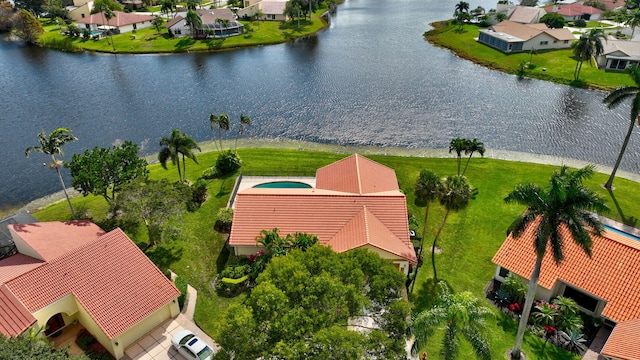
<point>108,14</point>
<point>461,314</point>
<point>458,145</point>
<point>561,212</point>
<point>454,196</point>
<point>462,6</point>
<point>245,120</point>
<point>473,146</point>
<point>51,145</point>
<point>178,144</point>
<point>588,45</point>
<point>614,99</point>
<point>221,122</point>
<point>194,21</point>
<point>633,20</point>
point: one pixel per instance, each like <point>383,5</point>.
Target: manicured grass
<point>469,240</point>
<point>550,65</point>
<point>149,40</point>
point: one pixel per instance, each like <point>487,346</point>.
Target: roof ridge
<point>356,157</point>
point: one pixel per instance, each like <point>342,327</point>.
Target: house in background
<point>68,272</point>
<point>211,26</point>
<point>619,55</point>
<point>80,9</point>
<point>571,12</point>
<point>521,14</point>
<point>606,286</point>
<point>271,9</point>
<point>509,36</point>
<point>356,203</point>
<point>121,22</point>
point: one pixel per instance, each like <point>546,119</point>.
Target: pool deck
<point>251,181</point>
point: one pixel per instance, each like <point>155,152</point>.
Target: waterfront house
<point>271,9</point>
<point>80,9</point>
<point>571,12</point>
<point>121,22</point>
<point>356,203</point>
<point>74,272</point>
<point>509,36</point>
<point>211,24</point>
<point>619,54</point>
<point>605,285</point>
<point>521,14</point>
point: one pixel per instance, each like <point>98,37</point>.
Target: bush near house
<point>91,347</point>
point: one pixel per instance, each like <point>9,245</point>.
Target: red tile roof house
<point>121,22</point>
<point>74,271</point>
<point>356,204</point>
<point>574,11</point>
<point>607,285</point>
<point>211,27</point>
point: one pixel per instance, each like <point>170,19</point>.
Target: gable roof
<point>525,14</point>
<point>623,341</point>
<point>355,217</point>
<point>357,175</point>
<point>110,277</point>
<point>525,32</point>
<point>209,16</point>
<point>612,273</point>
<point>572,9</point>
<point>613,4</point>
<point>119,19</point>
<point>628,49</point>
<point>14,317</point>
<point>272,7</point>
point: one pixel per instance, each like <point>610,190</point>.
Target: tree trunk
<point>467,164</point>
<point>433,247</point>
<point>526,309</point>
<point>73,215</point>
<point>184,169</point>
<point>178,164</point>
<point>424,236</point>
<point>609,183</point>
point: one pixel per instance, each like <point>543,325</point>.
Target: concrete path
<point>593,353</point>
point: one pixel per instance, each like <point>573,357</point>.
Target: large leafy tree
<point>26,26</point>
<point>176,146</point>
<point>194,21</point>
<point>28,346</point>
<point>561,212</point>
<point>103,171</point>
<point>588,46</point>
<point>35,7</point>
<point>157,203</point>
<point>428,188</point>
<point>459,315</point>
<point>51,145</point>
<point>455,195</point>
<point>553,20</point>
<point>613,99</point>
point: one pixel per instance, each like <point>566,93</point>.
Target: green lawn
<point>550,65</point>
<point>150,41</point>
<point>469,240</point>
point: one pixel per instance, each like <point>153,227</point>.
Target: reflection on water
<point>370,79</point>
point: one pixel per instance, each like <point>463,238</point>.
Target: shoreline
<point>265,143</point>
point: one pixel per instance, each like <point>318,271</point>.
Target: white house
<point>271,9</point>
<point>619,55</point>
<point>509,36</point>
<point>121,22</point>
<point>211,24</point>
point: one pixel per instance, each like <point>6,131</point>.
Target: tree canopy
<point>103,171</point>
<point>26,346</point>
<point>301,303</point>
<point>553,20</point>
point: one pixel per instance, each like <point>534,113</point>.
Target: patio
<point>67,337</point>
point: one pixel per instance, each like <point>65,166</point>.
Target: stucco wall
<point>552,43</point>
<point>67,306</point>
<point>22,246</point>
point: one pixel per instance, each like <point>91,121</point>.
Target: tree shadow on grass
<point>426,297</point>
<point>164,256</point>
<point>631,220</point>
<point>185,43</point>
<point>222,259</point>
<point>507,323</point>
<point>544,350</point>
<point>223,191</point>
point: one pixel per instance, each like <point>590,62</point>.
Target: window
<point>566,41</point>
<point>555,41</point>
<point>503,272</point>
<point>584,300</point>
<point>87,26</point>
<point>135,27</point>
<point>618,64</point>
<point>178,32</point>
<point>82,15</point>
<point>272,17</point>
<point>544,42</point>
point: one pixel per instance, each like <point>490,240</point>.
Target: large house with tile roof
<point>619,55</point>
<point>571,12</point>
<point>605,285</point>
<point>508,36</point>
<point>121,22</point>
<point>211,24</point>
<point>356,204</point>
<point>67,272</point>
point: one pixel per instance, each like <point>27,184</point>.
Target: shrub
<point>580,23</point>
<point>515,287</point>
<point>209,173</point>
<point>181,284</point>
<point>235,272</point>
<point>224,220</point>
<point>199,191</point>
<point>228,162</point>
<point>231,287</point>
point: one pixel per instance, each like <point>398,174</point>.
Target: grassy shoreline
<point>550,65</point>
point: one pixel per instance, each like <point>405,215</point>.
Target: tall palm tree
<point>454,196</point>
<point>178,144</point>
<point>565,204</point>
<point>460,313</point>
<point>472,147</point>
<point>459,145</point>
<point>220,122</point>
<point>633,20</point>
<point>462,6</point>
<point>427,189</point>
<point>589,45</point>
<point>614,99</point>
<point>52,145</point>
<point>194,21</point>
<point>245,120</point>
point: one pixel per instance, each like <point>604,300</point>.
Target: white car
<point>191,346</point>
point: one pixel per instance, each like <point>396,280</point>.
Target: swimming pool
<point>620,232</point>
<point>283,185</point>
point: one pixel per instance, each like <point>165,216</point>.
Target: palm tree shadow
<point>427,296</point>
<point>223,191</point>
<point>223,258</point>
<point>507,323</point>
<point>164,256</point>
<point>543,350</point>
<point>631,220</point>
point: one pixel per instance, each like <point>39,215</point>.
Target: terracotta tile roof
<point>53,239</point>
<point>613,4</point>
<point>110,278</point>
<point>173,21</point>
<point>358,175</point>
<point>14,317</point>
<point>16,265</point>
<point>572,9</point>
<point>612,274</point>
<point>119,19</point>
<point>623,341</point>
<point>352,207</point>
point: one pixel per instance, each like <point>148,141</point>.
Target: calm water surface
<point>369,79</point>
